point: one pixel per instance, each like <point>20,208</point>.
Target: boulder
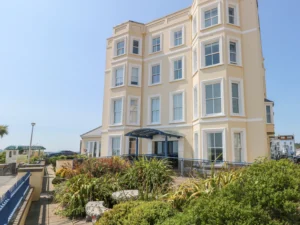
<point>94,210</point>
<point>125,195</point>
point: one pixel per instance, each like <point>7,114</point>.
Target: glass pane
<point>214,20</point>
<point>231,19</point>
<point>207,14</point>
<point>218,140</point>
<point>235,105</point>
<point>214,12</point>
<point>216,58</point>
<point>209,106</point>
<point>217,106</point>
<point>217,90</point>
<point>136,43</point>
<point>207,49</point>
<point>208,91</point>
<point>233,58</point>
<point>235,90</point>
<point>219,154</point>
<point>207,23</point>
<point>211,140</point>
<point>215,47</point>
<point>208,60</point>
<point>231,11</point>
<point>232,47</point>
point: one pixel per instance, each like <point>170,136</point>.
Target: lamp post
<point>32,124</point>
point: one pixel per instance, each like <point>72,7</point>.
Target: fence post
<point>181,167</point>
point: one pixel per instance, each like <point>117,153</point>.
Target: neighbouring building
<point>282,146</point>
<point>19,153</point>
<point>192,82</point>
<point>91,143</point>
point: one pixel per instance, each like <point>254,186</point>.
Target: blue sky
<point>52,58</point>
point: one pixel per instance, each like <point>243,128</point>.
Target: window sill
<point>131,85</point>
<point>172,81</point>
<point>213,116</point>
<point>235,65</point>
<point>207,28</point>
<point>117,86</point>
<point>177,46</point>
<point>150,85</point>
<point>118,56</point>
<point>154,53</point>
<point>237,115</point>
<point>116,125</point>
<point>153,124</point>
<point>134,124</point>
<point>176,121</point>
<point>208,67</point>
<point>234,25</point>
<point>195,119</point>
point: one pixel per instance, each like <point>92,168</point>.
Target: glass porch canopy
<point>24,147</point>
<point>149,133</point>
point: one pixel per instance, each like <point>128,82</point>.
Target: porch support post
<point>166,146</point>
<point>137,147</point>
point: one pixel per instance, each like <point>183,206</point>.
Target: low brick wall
<point>24,209</point>
<point>68,163</point>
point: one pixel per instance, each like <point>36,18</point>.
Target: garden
<point>267,192</point>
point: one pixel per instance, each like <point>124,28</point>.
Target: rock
<point>125,195</point>
<point>94,210</point>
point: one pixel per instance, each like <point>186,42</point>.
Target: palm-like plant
<point>3,130</point>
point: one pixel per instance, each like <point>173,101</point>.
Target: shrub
<point>118,214</point>
<point>66,173</point>
<point>138,213</point>
<point>266,193</point>
<point>75,193</point>
<point>2,157</point>
<point>99,167</point>
<point>57,180</point>
<point>194,188</point>
<point>150,177</point>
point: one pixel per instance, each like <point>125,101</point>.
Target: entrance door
<point>159,148</point>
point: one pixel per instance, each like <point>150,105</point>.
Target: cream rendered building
<point>197,77</point>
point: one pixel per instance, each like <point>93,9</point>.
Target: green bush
<point>118,214</point>
<point>267,193</point>
<point>58,180</point>
<point>138,213</point>
<point>75,193</point>
<point>2,157</point>
<point>150,177</point>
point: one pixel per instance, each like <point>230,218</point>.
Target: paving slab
<point>6,182</point>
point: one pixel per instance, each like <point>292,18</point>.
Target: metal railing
<point>186,167</point>
<point>11,200</point>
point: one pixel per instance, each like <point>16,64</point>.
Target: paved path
<point>6,182</point>
<point>43,211</point>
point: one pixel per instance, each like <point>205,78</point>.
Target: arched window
<point>9,154</point>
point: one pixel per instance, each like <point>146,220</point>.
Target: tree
<point>3,130</point>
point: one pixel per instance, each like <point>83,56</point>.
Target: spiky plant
<point>3,130</point>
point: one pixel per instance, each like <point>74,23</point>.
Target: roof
<point>150,133</point>
<point>24,147</point>
<point>93,133</point>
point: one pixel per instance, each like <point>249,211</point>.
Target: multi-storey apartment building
<point>192,82</point>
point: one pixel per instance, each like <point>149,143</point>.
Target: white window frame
<point>271,111</point>
<point>240,82</point>
<point>98,148</point>
<point>113,75</point>
<point>110,137</point>
<point>171,104</point>
<point>195,65</point>
<point>244,143</point>
<point>195,27</point>
<point>150,109</point>
<point>210,41</point>
<point>196,151</point>
<point>153,36</point>
<point>238,50</point>
<point>138,98</point>
<point>203,105</point>
<point>116,41</point>
<point>207,7</point>
<point>111,119</point>
<point>236,7</point>
<point>140,45</point>
<point>196,114</point>
<point>205,132</point>
<point>150,73</point>
<point>172,69</point>
<point>172,38</point>
<point>139,75</point>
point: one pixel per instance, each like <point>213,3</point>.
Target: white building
<point>282,146</point>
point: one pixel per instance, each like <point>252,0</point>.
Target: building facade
<point>283,146</point>
<point>198,72</point>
